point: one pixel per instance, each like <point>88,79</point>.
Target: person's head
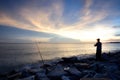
<point>98,40</point>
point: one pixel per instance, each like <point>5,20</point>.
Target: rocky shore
<point>72,68</point>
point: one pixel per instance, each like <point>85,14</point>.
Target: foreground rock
<point>70,69</point>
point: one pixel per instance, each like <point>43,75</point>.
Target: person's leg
<point>99,55</point>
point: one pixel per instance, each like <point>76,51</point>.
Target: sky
<point>59,20</point>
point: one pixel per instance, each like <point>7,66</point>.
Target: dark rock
<point>44,78</point>
<point>113,60</point>
<point>98,75</point>
<point>113,76</point>
<point>28,78</point>
<point>14,76</point>
<point>6,74</point>
<point>72,77</point>
<point>117,74</point>
<point>70,69</point>
<point>82,65</point>
<point>91,60</point>
<point>95,79</point>
<point>25,68</point>
<point>25,74</point>
<point>70,60</point>
<point>105,56</point>
<point>111,67</point>
<point>74,71</point>
<point>41,76</point>
<point>65,78</point>
<point>34,71</point>
<point>98,67</point>
<point>88,60</point>
<point>46,65</point>
<point>88,73</point>
<point>57,72</point>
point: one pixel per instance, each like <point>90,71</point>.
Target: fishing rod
<point>40,53</point>
<point>42,58</point>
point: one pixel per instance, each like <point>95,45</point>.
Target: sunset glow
<point>82,20</point>
<point>90,35</point>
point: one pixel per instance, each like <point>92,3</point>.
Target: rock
<point>46,65</point>
<point>34,71</point>
<point>98,67</point>
<point>65,78</point>
<point>70,69</point>
<point>70,60</point>
<point>82,65</point>
<point>25,68</point>
<point>93,66</point>
<point>114,75</point>
<point>113,60</point>
<point>25,74</point>
<point>83,60</point>
<point>91,59</point>
<point>25,71</point>
<point>88,73</point>
<point>72,77</point>
<point>57,72</point>
<point>44,78</point>
<point>98,75</point>
<point>105,56</point>
<point>41,76</point>
<point>14,76</point>
<point>111,67</point>
<point>117,73</point>
<point>28,78</point>
<point>95,79</point>
<point>74,71</point>
<point>66,68</point>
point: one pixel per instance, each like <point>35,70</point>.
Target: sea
<point>15,55</point>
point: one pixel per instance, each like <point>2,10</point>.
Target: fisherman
<point>98,50</point>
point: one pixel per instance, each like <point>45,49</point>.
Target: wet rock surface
<point>70,69</point>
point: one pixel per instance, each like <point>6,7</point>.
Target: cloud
<point>117,35</point>
<point>118,27</point>
<point>114,39</point>
<point>36,39</point>
<point>33,18</point>
<point>47,16</point>
<point>87,16</point>
<point>61,39</point>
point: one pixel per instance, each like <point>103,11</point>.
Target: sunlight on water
<point>65,50</point>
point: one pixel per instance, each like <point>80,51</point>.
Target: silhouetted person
<point>98,49</point>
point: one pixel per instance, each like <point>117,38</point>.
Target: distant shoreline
<point>114,42</point>
<point>52,43</point>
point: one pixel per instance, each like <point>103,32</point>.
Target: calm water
<point>12,55</point>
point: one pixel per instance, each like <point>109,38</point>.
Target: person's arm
<point>95,44</point>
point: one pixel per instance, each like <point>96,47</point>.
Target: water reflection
<point>17,54</point>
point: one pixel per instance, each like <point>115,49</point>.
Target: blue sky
<point>59,20</point>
